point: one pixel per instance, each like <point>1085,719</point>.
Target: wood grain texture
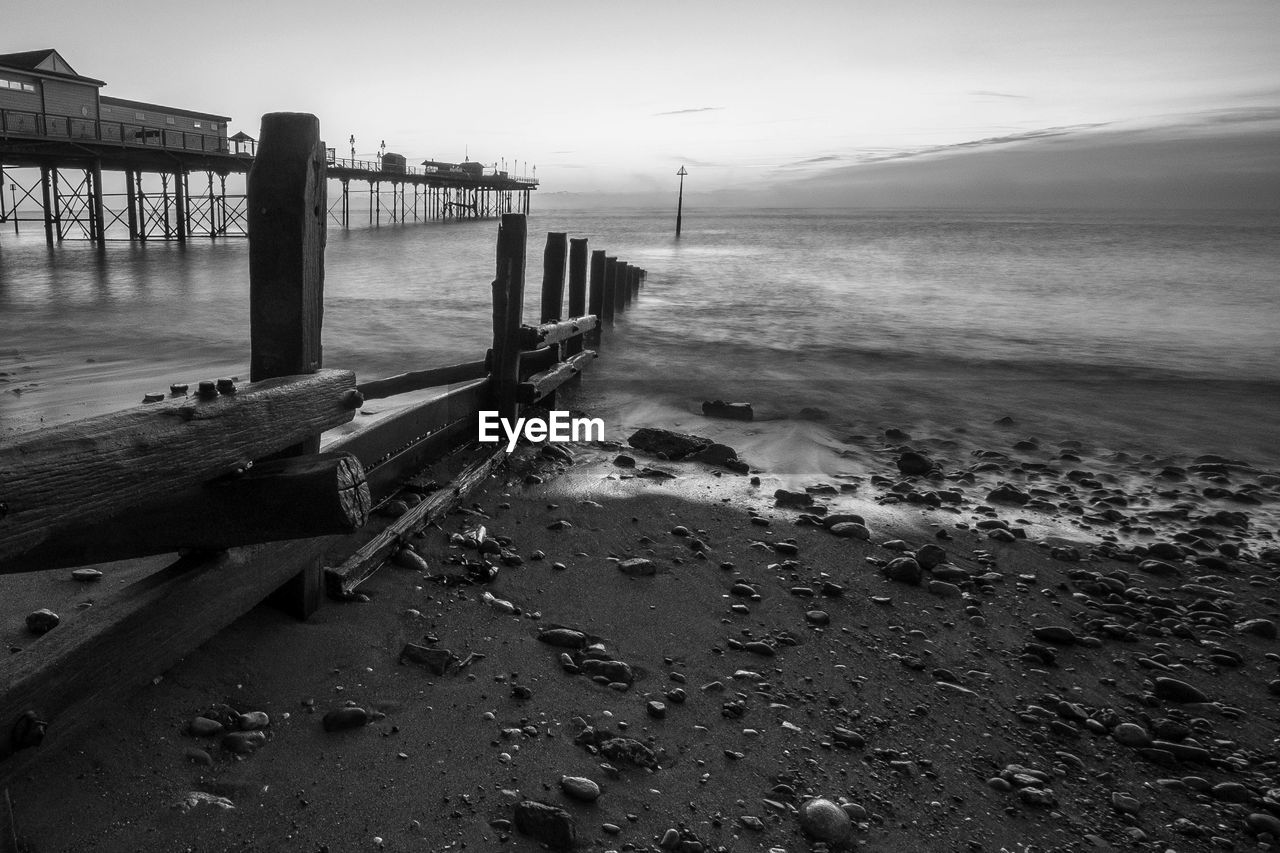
<point>84,472</point>
<point>540,385</point>
<point>577,288</point>
<point>420,380</point>
<point>547,334</point>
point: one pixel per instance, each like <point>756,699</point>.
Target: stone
<point>930,555</point>
<point>943,589</point>
<point>1131,735</point>
<point>719,454</point>
<point>341,719</point>
<point>817,617</point>
<point>732,411</point>
<point>1009,494</point>
<point>243,743</point>
<point>253,721</point>
<point>205,727</point>
<point>656,709</point>
<point>783,497</point>
<point>580,788</point>
<point>615,671</point>
<point>42,621</point>
<point>622,460</point>
<point>851,530</point>
<point>1259,823</point>
<point>565,638</point>
<point>904,570</point>
<point>671,445</point>
<point>823,820</point>
<point>551,825</point>
<point>86,575</point>
<point>1056,634</point>
<point>913,464</point>
<point>197,756</point>
<point>434,660</point>
<point>637,567</point>
<point>1158,568</point>
<point>1264,628</point>
<point>1174,690</point>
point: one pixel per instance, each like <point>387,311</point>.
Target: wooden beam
<point>343,580</point>
<point>548,334</point>
<point>609,305</point>
<point>541,384</point>
<point>287,210</point>
<point>396,446</point>
<point>553,268</point>
<point>87,471</point>
<point>66,677</point>
<point>621,273</point>
<point>295,498</point>
<point>420,380</point>
<point>577,288</point>
<point>508,307</point>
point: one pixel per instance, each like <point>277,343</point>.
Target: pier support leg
<point>213,221</point>
<point>164,197</point>
<point>222,205</point>
<point>57,202</point>
<point>287,210</point>
<point>180,204</point>
<point>99,220</point>
<point>46,190</point>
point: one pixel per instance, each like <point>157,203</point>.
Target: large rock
<point>720,454</point>
<point>913,464</point>
<point>825,821</point>
<point>665,443</point>
<point>551,825</point>
<point>733,411</point>
<point>1173,690</point>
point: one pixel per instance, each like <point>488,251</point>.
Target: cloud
<point>688,111</point>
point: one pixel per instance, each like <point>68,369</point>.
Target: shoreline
<point>945,684</point>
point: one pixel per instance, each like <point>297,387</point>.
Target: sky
<point>1161,102</point>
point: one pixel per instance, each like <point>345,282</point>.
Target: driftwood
<point>82,473</point>
<point>420,380</point>
<point>343,580</point>
<point>541,384</point>
<point>294,498</point>
<point>547,334</point>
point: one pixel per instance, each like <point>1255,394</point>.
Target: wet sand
<point>1085,659</point>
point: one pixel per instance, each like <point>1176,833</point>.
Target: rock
<point>817,617</point>
<point>914,464</point>
<point>943,589</point>
<point>195,799</point>
<point>719,454</point>
<point>851,530</point>
<point>580,788</point>
<point>253,721</point>
<point>1125,803</point>
<point>1174,690</point>
<point>733,411</point>
<point>1132,735</point>
<point>436,661</point>
<point>1159,568</point>
<point>930,555</point>
<point>551,825</point>
<point>672,445</point>
<point>565,638</point>
<point>86,575</point>
<point>243,743</point>
<point>1009,494</point>
<point>197,756</point>
<point>1056,634</point>
<point>904,570</point>
<point>1264,628</point>
<point>624,461</point>
<point>341,719</point>
<point>656,709</point>
<point>407,558</point>
<point>823,820</point>
<point>205,727</point>
<point>42,621</point>
<point>1259,823</point>
<point>614,670</point>
<point>638,567</point>
<point>784,497</point>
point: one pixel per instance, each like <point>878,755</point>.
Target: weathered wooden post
<point>508,307</point>
<point>610,284</point>
<point>680,203</point>
<point>286,216</point>
<point>620,288</point>
<point>553,264</point>
<point>595,297</point>
<point>577,288</point>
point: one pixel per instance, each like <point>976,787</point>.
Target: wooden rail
<point>230,473</point>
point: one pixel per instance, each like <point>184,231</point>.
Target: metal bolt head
<point>226,386</point>
<point>207,390</point>
<point>352,399</point>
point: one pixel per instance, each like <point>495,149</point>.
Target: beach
<point>964,644</point>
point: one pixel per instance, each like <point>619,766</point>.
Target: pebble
<point>638,567</point>
<point>1178,691</point>
<point>86,575</point>
<point>205,727</point>
<point>904,570</point>
<point>341,719</point>
<point>253,721</point>
<point>42,621</point>
<point>546,823</point>
<point>1131,735</point>
<point>851,530</point>
<point>580,788</point>
<point>823,820</point>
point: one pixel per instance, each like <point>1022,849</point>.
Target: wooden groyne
<point>231,478</point>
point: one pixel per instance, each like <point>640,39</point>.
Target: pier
<point>61,140</point>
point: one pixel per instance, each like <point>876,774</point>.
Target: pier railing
<point>232,478</point>
<point>26,124</point>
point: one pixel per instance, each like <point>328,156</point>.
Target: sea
<point>1152,332</point>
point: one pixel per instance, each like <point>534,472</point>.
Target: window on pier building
<point>140,116</point>
<point>17,85</point>
<point>169,120</point>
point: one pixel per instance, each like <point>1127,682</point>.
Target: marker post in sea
<point>680,203</point>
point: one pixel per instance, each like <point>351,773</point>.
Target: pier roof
<point>109,101</point>
<point>47,62</point>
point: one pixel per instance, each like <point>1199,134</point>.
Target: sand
<point>941,716</point>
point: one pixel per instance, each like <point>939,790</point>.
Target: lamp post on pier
<point>352,140</point>
<point>680,203</point>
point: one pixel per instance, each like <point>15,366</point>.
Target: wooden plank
<point>577,288</point>
<point>287,213</point>
<point>508,308</point>
<point>86,471</point>
<point>66,677</point>
<point>541,384</point>
<point>344,579</point>
<point>420,380</point>
<point>620,289</point>
<point>548,334</point>
<point>387,477</point>
<point>295,498</point>
<point>392,440</point>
